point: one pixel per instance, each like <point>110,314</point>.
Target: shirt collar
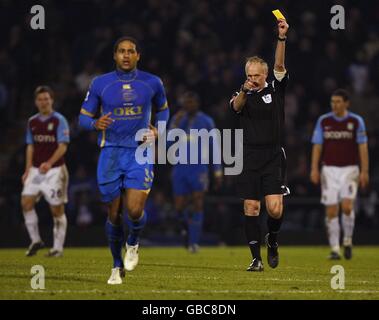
<point>252,91</point>
<point>341,118</point>
<point>266,85</point>
<point>127,75</point>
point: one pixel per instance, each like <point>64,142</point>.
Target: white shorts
<point>338,183</point>
<point>52,185</point>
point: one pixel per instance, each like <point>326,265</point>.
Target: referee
<point>260,107</point>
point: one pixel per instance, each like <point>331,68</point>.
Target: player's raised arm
<point>279,66</point>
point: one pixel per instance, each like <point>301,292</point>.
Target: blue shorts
<point>186,180</point>
<point>117,169</point>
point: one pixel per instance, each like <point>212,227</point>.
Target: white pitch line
<point>139,276</point>
<point>195,291</point>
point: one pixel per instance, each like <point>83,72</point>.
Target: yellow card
<point>278,15</point>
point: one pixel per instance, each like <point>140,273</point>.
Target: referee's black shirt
<point>262,121</point>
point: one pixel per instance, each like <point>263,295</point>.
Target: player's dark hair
<point>43,89</point>
<point>342,93</point>
<point>126,38</point>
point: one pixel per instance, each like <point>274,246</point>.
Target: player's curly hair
<point>126,38</point>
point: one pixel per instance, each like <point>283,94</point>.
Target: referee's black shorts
<point>255,183</point>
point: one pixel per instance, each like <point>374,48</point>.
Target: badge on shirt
<point>267,98</point>
<point>50,126</point>
<point>350,126</point>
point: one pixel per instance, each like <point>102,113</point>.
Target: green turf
<point>172,273</point>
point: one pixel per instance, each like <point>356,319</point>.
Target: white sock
<point>59,231</point>
<point>348,222</point>
<point>31,223</point>
<point>333,227</point>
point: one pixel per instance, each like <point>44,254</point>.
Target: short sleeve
<point>318,137</point>
<point>63,131</point>
<point>92,100</point>
<point>28,136</point>
<point>361,131</point>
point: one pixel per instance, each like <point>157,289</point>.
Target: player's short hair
<point>342,93</point>
<point>256,59</point>
<point>43,89</point>
<point>126,38</point>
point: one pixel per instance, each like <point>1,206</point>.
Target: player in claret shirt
<point>47,137</point>
<point>340,142</point>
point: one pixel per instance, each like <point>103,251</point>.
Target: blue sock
<point>135,228</point>
<point>115,235</point>
<point>194,228</point>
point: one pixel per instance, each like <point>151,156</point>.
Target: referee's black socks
<point>273,229</point>
<point>253,235</point>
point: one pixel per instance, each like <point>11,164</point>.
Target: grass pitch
<point>173,273</point>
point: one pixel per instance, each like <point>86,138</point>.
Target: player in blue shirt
<point>190,181</point>
<point>117,105</point>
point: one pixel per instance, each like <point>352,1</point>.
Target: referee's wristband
<point>282,39</point>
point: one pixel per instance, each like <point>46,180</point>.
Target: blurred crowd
<point>195,44</point>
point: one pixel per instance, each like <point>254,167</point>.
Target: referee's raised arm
<point>281,46</point>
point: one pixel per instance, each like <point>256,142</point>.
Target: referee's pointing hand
<point>249,85</point>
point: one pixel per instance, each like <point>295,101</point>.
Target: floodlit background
<point>197,45</point>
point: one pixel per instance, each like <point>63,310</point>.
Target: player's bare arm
<point>315,171</point>
<point>28,162</point>
<point>364,161</point>
<point>280,46</point>
<point>59,153</point>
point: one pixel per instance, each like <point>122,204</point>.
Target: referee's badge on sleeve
<point>267,98</point>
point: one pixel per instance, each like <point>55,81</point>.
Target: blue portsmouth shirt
<point>188,178</point>
<point>129,97</point>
